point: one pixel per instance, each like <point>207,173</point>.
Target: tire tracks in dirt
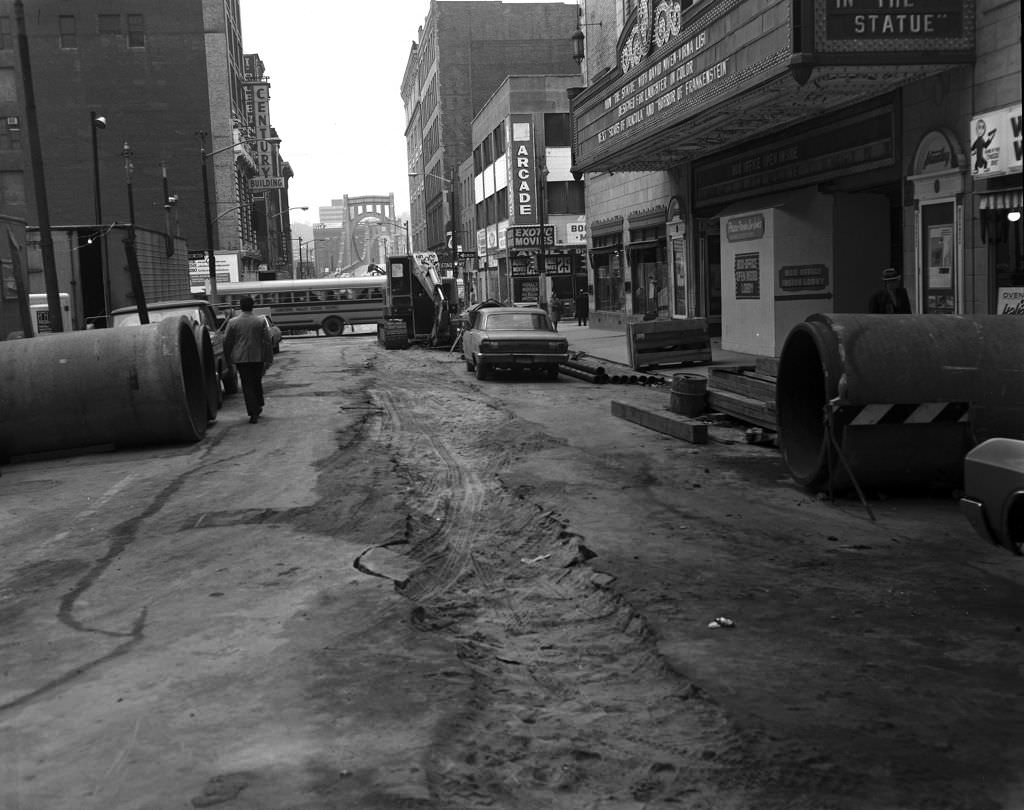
<point>570,704</point>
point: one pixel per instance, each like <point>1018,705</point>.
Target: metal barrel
<point>904,396</point>
<point>122,386</point>
<point>688,395</point>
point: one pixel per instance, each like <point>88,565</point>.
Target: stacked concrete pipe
<point>123,387</point>
<point>845,370</point>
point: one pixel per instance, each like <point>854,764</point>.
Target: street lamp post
<point>203,155</point>
<point>100,122</point>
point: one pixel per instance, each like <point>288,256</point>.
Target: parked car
<point>512,338</point>
<point>993,498</point>
<point>200,313</point>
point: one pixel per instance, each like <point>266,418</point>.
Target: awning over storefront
<point>716,75</point>
<point>1001,200</point>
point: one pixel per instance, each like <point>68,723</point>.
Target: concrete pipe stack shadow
<point>124,387</point>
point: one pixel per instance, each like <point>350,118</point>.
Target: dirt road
<point>407,588</point>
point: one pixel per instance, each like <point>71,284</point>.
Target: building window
<point>108,24</point>
<point>557,130</point>
<point>136,31</point>
<point>12,188</point>
<point>10,134</point>
<point>566,197</point>
<point>68,31</point>
<point>499,141</point>
<point>6,40</point>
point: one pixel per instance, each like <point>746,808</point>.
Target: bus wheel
<point>333,326</point>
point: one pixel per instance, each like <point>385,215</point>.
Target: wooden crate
<point>668,342</point>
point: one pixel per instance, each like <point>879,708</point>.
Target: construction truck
<point>419,303</point>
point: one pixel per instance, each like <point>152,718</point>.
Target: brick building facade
<point>465,50</point>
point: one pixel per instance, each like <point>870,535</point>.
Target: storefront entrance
<point>709,274</point>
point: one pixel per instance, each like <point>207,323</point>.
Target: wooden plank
<point>769,366</point>
<point>671,424</point>
<point>744,408</point>
<point>747,384</point>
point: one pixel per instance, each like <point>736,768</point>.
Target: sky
<point>335,69</point>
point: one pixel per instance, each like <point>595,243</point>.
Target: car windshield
<point>155,315</point>
<point>517,321</point>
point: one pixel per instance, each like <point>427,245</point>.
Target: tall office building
<point>465,50</point>
<point>123,90</point>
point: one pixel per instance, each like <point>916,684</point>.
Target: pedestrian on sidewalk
<point>555,309</point>
<point>582,308</point>
<point>892,297</point>
<point>248,347</point>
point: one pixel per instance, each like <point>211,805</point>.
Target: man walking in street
<point>248,347</point>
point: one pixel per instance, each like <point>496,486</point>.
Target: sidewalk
<point>611,346</point>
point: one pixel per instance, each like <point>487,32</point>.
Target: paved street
<point>405,587</point>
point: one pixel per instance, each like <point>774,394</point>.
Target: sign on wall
<point>529,236</point>
<point>522,170</point>
<point>1010,301</point>
<point>995,140</point>
<point>748,275</point>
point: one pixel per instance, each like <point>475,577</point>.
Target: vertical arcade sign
<point>522,170</point>
<point>267,176</point>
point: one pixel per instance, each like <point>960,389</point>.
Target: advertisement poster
<point>995,140</point>
<point>940,269</point>
<point>1010,301</point>
<point>748,275</point>
<point>682,308</point>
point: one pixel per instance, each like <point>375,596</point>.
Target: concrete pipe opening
<point>125,386</point>
<point>800,407</point>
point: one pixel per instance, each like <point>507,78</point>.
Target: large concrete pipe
<point>211,378</point>
<point>906,396</point>
<point>131,386</point>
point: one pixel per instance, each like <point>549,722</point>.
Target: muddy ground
<point>409,588</point>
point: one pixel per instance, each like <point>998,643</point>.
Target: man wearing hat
<point>892,298</point>
<point>248,346</point>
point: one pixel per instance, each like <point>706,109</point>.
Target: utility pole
<point>36,152</point>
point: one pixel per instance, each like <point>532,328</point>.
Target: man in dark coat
<point>248,347</point>
<point>582,308</point>
<point>892,297</point>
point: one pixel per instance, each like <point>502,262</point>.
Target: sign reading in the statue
<point>891,19</point>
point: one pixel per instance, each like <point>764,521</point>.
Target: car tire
<point>231,381</point>
<point>333,327</point>
<point>481,370</point>
<point>470,365</point>
<point>553,371</point>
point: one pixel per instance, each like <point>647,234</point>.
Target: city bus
<point>299,305</point>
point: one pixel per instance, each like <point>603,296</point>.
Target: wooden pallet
<point>668,342</point>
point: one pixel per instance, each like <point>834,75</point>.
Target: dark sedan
<point>513,338</point>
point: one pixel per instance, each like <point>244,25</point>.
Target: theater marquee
<point>693,82</point>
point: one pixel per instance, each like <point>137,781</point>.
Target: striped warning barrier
<point>920,413</point>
